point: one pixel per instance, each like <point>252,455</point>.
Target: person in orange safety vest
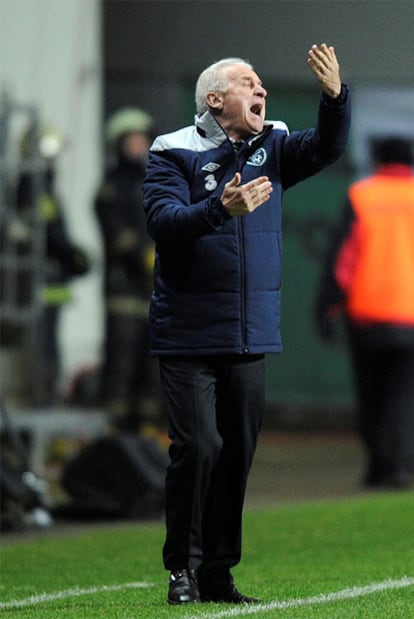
<point>369,276</point>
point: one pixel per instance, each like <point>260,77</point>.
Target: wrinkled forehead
<point>238,72</point>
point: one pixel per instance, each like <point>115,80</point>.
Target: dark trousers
<point>46,361</point>
<point>384,379</point>
<point>215,410</point>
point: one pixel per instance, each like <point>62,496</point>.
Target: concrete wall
<point>50,58</point>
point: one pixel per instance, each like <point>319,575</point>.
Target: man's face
<point>241,109</point>
<point>135,146</point>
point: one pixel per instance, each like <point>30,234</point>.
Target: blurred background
<point>72,63</point>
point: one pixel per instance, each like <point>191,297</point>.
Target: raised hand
<point>324,65</point>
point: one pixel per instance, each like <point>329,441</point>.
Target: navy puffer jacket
<point>217,279</point>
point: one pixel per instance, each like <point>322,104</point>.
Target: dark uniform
<point>128,375</point>
<point>63,261</point>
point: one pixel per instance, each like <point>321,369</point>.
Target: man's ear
<point>215,100</point>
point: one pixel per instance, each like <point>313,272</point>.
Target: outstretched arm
<point>324,65</point>
<point>307,152</point>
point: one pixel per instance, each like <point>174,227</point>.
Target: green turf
<point>291,552</point>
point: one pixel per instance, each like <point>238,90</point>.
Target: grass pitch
<point>341,559</point>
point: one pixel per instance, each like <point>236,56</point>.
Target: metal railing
<point>22,240</point>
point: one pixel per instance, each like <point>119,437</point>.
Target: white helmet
<point>127,120</point>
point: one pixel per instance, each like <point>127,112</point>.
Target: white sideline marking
<point>324,598</point>
<point>68,593</point>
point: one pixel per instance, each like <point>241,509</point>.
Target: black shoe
<point>183,587</point>
<point>224,591</point>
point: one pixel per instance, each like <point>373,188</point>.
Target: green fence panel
<point>309,372</point>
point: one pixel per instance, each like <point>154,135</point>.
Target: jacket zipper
<point>240,229</point>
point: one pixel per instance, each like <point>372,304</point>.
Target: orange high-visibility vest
<point>382,285</point>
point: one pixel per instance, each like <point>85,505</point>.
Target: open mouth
<point>256,109</point>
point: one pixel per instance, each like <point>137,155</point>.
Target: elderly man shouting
<point>213,198</point>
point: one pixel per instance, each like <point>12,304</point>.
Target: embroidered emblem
<point>258,158</point>
<point>211,167</point>
<point>210,183</point>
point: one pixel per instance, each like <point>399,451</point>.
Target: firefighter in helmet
<point>128,385</point>
<point>62,258</point>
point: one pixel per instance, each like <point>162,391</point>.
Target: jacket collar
<point>208,127</point>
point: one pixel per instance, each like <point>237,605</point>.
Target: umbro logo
<point>211,166</point>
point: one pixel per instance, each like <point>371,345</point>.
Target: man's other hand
<point>243,199</point>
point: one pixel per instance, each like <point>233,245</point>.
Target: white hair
<point>214,79</point>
